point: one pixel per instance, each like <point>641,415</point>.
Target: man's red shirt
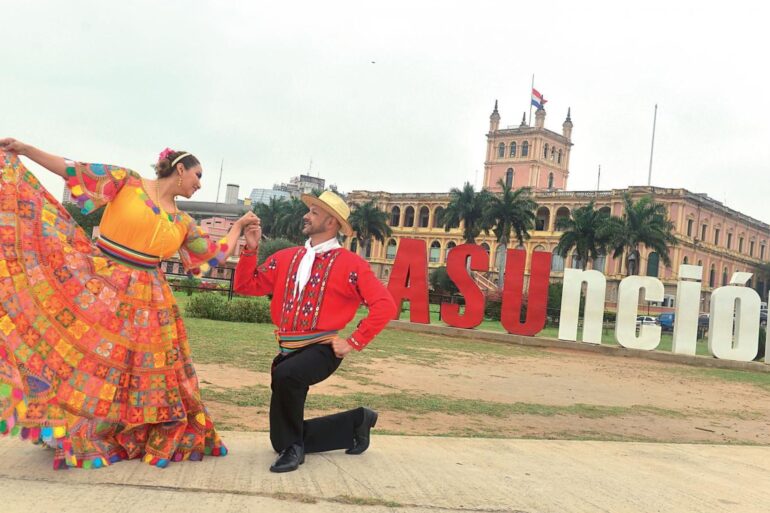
<point>340,281</point>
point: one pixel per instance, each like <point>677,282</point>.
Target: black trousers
<point>292,375</point>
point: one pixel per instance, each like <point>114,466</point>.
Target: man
<point>316,291</point>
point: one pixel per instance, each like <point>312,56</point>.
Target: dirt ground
<point>657,401</point>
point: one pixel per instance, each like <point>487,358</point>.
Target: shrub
<point>268,247</point>
<point>762,339</point>
<point>189,284</point>
<point>218,308</point>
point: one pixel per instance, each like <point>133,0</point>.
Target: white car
<point>646,320</point>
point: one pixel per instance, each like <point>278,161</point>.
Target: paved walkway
<point>400,473</point>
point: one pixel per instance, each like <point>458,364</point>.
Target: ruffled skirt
<point>94,358</point>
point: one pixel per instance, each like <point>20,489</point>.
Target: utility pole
<point>598,178</point>
<point>221,167</point>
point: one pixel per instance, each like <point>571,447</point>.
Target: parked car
<point>666,321</point>
<point>703,321</point>
<point>646,320</point>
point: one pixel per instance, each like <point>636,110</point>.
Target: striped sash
<point>126,255</point>
<point>291,341</point>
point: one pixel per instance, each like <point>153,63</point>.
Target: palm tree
<point>645,223</point>
<point>510,211</point>
<point>369,222</point>
<point>466,205</point>
<point>585,231</point>
<point>269,213</point>
<point>289,224</point>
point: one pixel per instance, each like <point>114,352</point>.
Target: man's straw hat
<point>334,205</point>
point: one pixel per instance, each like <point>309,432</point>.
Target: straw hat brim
<point>310,200</point>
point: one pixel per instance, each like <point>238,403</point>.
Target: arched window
<point>501,150</point>
<point>449,247</point>
<point>354,245</point>
<point>543,219</point>
<point>395,216</point>
<point>553,153</point>
<point>562,213</point>
<point>557,262</point>
<point>545,151</point>
<point>424,217</point>
<point>559,158</point>
<point>724,276</point>
<point>712,276</point>
<point>653,262</point>
<point>509,177</point>
<point>409,217</point>
<point>390,250</point>
<point>525,148</point>
<point>513,149</point>
<point>550,180</point>
<point>437,215</point>
<point>435,252</point>
<point>684,262</point>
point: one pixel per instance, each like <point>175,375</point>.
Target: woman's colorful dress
<point>94,358</point>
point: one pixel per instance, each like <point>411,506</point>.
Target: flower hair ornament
<point>165,154</point>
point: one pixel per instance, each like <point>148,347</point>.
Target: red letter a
<point>537,297</point>
<point>409,279</point>
<point>474,298</point>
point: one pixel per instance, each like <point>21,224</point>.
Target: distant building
<point>203,209</point>
<point>302,184</point>
<point>231,195</point>
<point>67,197</point>
<point>265,195</point>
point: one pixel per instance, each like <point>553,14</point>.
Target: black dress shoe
<point>289,459</point>
<point>361,434</point>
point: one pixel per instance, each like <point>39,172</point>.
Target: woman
<point>94,359</point>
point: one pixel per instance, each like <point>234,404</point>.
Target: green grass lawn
<point>253,346</point>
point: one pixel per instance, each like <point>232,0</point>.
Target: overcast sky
<point>394,96</point>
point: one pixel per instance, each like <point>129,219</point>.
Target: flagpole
<point>652,145</point>
<point>530,99</point>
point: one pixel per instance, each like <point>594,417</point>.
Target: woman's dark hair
<point>163,168</point>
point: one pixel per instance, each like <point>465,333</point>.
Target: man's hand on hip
<point>340,346</point>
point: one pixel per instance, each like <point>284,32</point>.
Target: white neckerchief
<point>306,264</point>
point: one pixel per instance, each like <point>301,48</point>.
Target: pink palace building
<point>718,238</point>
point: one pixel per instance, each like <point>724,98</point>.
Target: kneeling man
<point>316,291</point>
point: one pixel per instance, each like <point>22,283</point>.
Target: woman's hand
<point>13,146</point>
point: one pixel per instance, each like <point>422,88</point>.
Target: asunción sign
<point>733,332</point>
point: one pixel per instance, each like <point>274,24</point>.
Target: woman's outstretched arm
<point>52,163</point>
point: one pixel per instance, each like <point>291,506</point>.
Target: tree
<point>585,231</point>
<point>510,211</point>
<point>441,283</point>
<point>369,222</point>
<point>644,223</point>
<point>289,224</point>
<point>86,221</point>
<point>269,213</point>
<point>466,205</point>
